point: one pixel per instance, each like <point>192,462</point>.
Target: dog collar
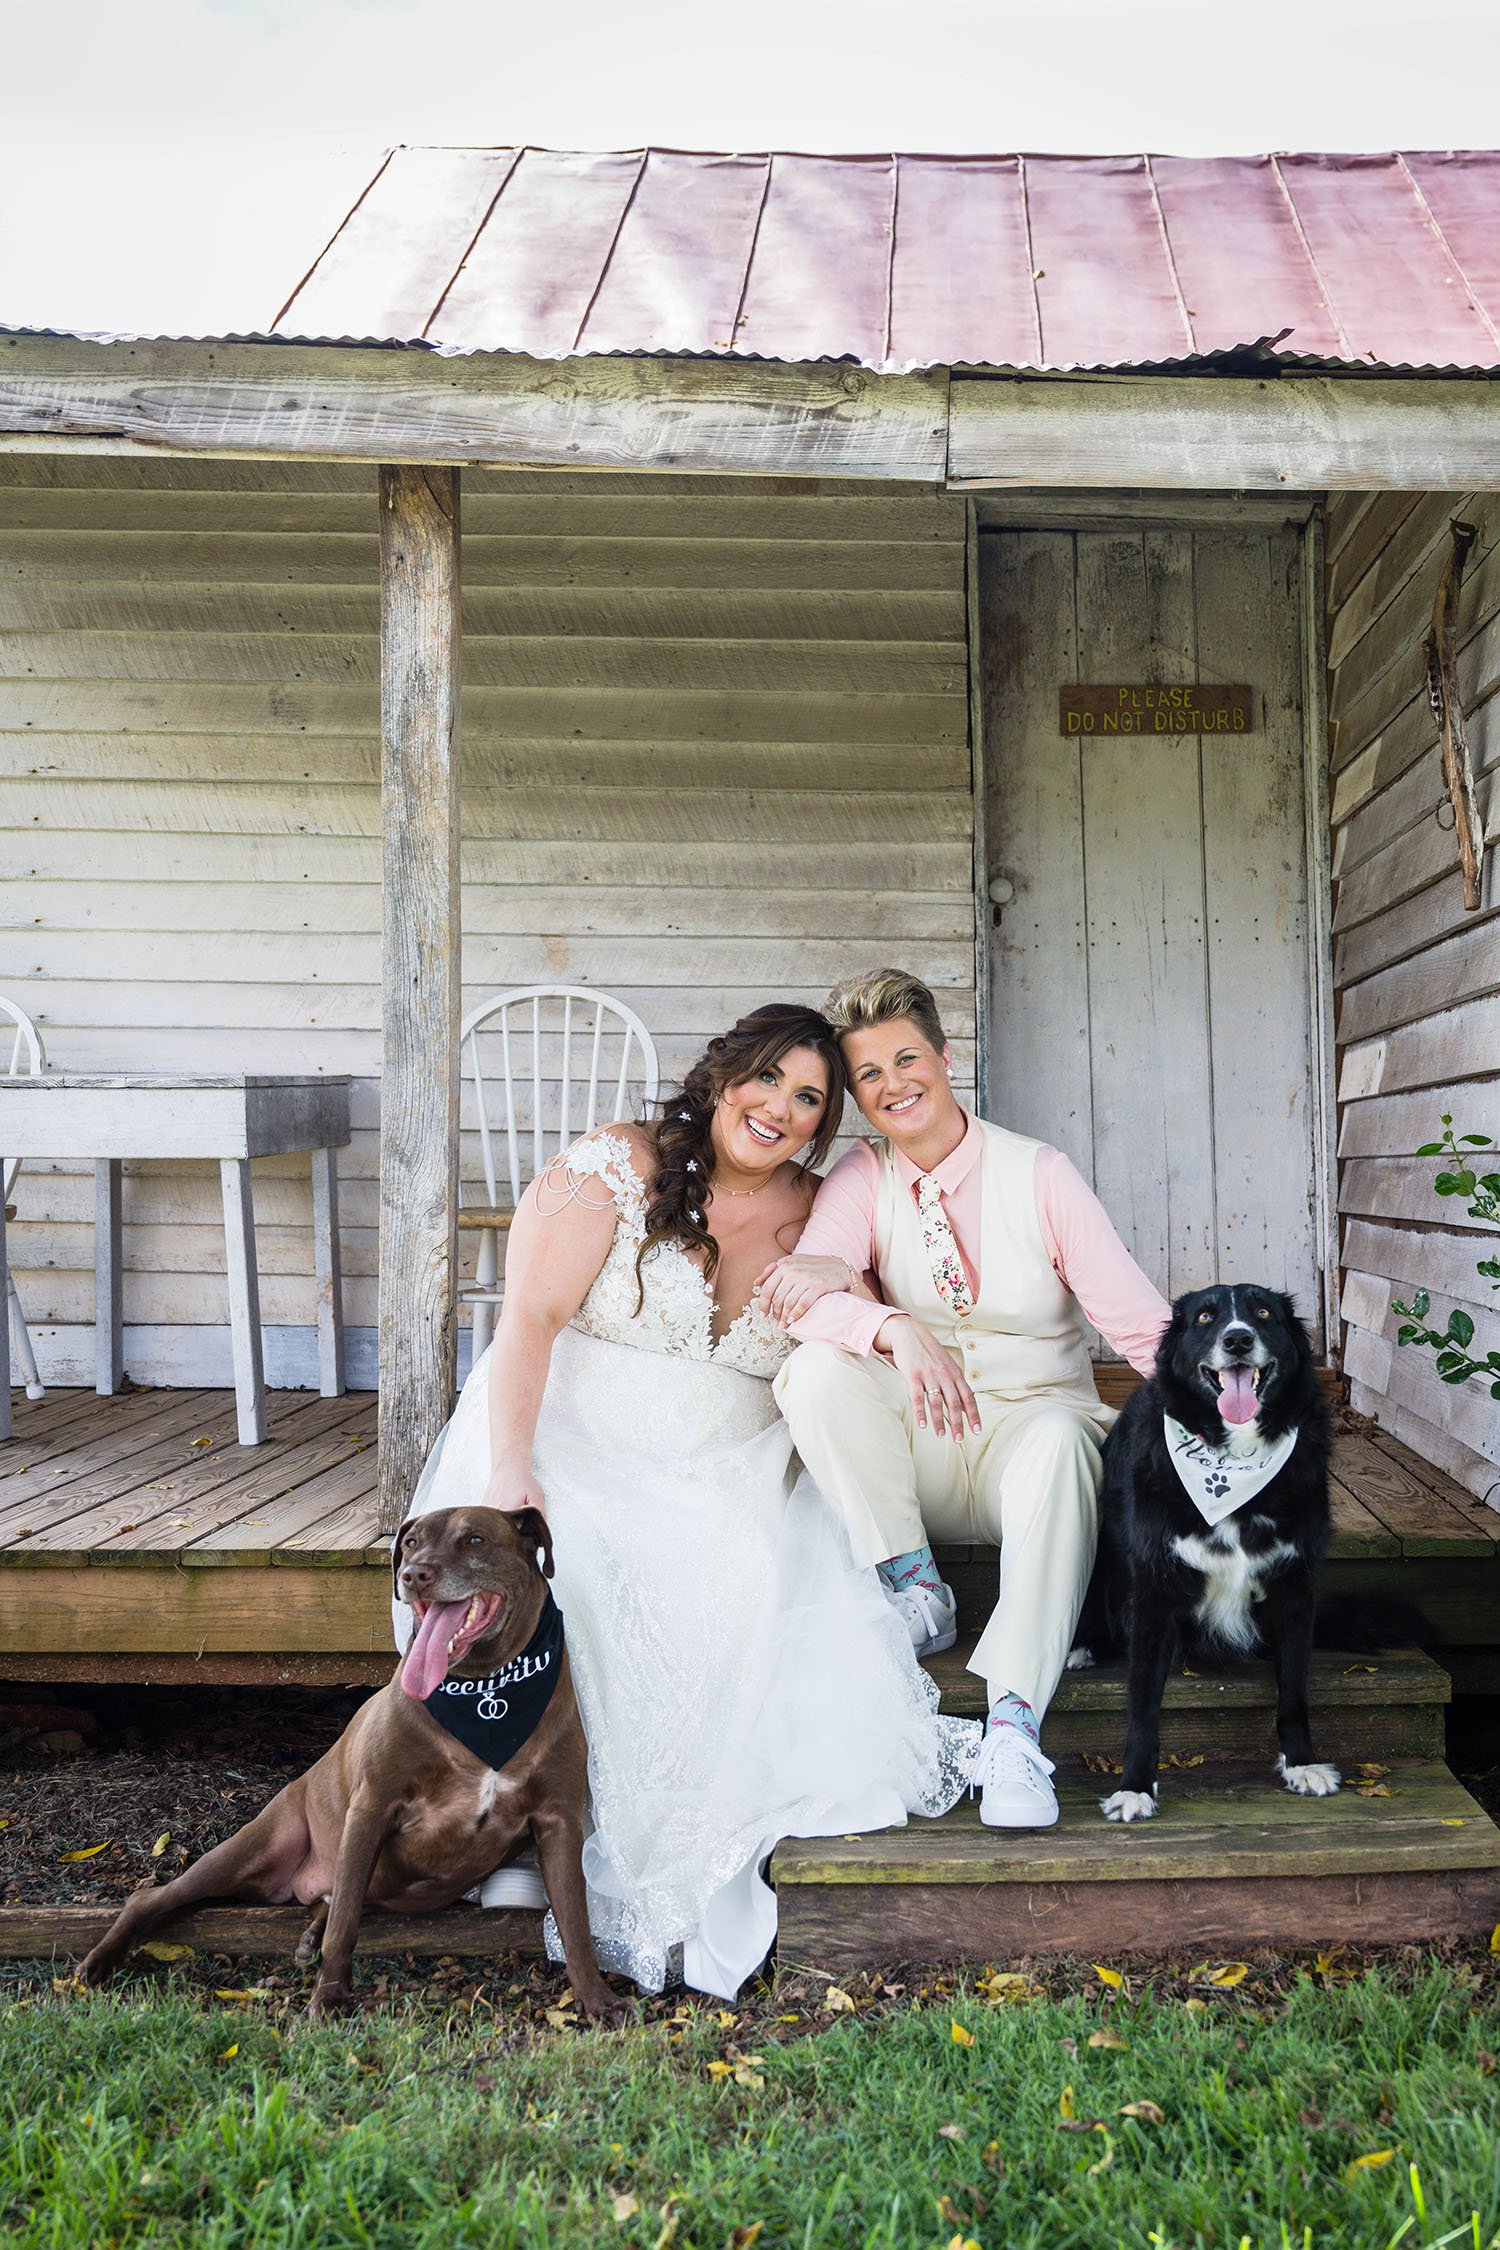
<point>1216,1480</point>
<point>494,1717</point>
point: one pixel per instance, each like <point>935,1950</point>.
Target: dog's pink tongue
<point>1237,1399</point>
<point>426,1666</point>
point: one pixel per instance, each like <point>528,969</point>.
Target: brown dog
<point>401,1812</point>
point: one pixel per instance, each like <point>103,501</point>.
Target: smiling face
<point>763,1120</point>
<point>900,1081</point>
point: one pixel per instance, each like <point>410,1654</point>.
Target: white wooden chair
<point>542,1064</point>
<point>27,1060</point>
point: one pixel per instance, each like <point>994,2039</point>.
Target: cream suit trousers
<point>1028,1483</point>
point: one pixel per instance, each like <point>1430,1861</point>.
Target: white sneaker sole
<point>1020,1820</point>
<point>938,1643</point>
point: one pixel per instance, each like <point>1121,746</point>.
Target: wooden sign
<point>1155,710</point>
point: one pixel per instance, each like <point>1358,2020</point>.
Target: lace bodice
<point>676,1316</point>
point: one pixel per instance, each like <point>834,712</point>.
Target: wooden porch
<point>140,1541</point>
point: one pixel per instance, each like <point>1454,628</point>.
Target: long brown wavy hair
<point>682,1132</point>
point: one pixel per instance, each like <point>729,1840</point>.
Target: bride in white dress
<point>739,1679</point>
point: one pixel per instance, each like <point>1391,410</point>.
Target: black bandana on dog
<point>494,1717</point>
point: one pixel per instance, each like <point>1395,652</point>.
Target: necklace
<point>744,1191</point>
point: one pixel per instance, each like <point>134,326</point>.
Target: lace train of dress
<point>739,1679</point>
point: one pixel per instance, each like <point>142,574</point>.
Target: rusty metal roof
<point>900,262</point>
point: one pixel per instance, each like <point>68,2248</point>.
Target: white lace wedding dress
<point>740,1680</point>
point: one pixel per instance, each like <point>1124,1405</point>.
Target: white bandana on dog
<point>1218,1481</point>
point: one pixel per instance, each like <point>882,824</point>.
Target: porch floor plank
<point>1400,1490</point>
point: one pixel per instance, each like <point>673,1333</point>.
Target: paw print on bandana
<point>1216,1485</point>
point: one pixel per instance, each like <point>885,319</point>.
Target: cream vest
<point>1025,1338</point>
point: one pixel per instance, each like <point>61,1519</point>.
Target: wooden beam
<point>419,720</point>
<point>1297,433</point>
<point>32,1933</point>
<point>490,408</point>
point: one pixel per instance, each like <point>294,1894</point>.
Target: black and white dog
<point>1214,1523</point>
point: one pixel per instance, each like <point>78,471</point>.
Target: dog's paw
<point>1310,1781</point>
<point>1080,1659</point>
<point>1129,1804</point>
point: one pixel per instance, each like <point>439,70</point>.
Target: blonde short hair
<point>883,996</point>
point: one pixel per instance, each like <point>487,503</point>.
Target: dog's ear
<point>396,1546</point>
<point>535,1530</point>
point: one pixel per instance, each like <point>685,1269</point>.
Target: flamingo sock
<point>918,1567</point>
<point>1007,1710</point>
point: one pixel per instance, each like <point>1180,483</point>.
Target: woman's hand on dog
<point>513,1487</point>
<point>939,1395</point>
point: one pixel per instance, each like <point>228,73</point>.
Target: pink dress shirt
<point>1087,1255</point>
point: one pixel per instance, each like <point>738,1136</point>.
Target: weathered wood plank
<point>30,1933</point>
<point>1254,433</point>
<point>1226,1824</point>
<point>746,417</point>
<point>1437,1051</point>
<point>1465,1411</point>
<point>420,673</point>
<point>836,1927</point>
<point>1426,1521</point>
<point>1038,963</point>
<point>92,1611</point>
<point>348,560</point>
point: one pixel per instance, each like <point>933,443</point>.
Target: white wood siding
<point>715,752</point>
<point>1417,978</point>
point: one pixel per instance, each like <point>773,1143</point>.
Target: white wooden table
<point>111,1117</point>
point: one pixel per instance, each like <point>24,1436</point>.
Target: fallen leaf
<point>200,1441</point>
<point>961,2038</point>
<point>560,2018</point>
<point>1111,1977</point>
<point>1107,2038</point>
<point>948,2210</point>
<point>90,1851</point>
<point>742,2237</point>
<point>1367,1766</point>
<point>623,2207</point>
<point>719,2069</point>
<point>1066,2108</point>
<point>1348,1668</point>
<point>230,2052</point>
<point>157,1949</point>
<point>1147,2111</point>
<point>1107,2158</point>
<point>1374,1789</point>
<point>1082,2125</point>
<point>161,1843</point>
<point>1232,1973</point>
<point>993,2161</point>
<point>1195,2007</point>
<point>726,2019</point>
<point>788,2019</point>
<point>233,1992</point>
<point>1495,1939</point>
<point>1007,1984</point>
<point>1370,2163</point>
<point>962,2242</point>
<point>1451,1824</point>
<point>1485,2063</point>
<point>837,2003</point>
<point>952,2133</point>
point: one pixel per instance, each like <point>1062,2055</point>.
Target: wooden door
<point>1149,979</point>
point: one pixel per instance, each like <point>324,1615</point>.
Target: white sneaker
<point>931,1614</point>
<point>1014,1777</point>
<point>519,1883</point>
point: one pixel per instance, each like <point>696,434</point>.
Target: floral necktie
<point>942,1247</point>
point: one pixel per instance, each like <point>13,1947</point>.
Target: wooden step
<point>1232,1861</point>
<point>1391,1704</point>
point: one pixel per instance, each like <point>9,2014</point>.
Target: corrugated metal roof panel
<point>904,261</point>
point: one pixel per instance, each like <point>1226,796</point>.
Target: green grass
<point>158,2115</point>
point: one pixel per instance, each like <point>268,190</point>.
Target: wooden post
<point>419,795</point>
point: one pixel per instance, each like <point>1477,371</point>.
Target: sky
<point>174,166</point>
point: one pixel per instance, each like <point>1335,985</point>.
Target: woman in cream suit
<point>963,1406</point>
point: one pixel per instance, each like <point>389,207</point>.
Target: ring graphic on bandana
<point>491,1707</point>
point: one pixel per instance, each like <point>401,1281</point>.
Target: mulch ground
<point>150,1762</point>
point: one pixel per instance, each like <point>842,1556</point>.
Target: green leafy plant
<point>1481,1190</point>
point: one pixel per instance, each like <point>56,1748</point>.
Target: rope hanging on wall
<point>1442,690</point>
